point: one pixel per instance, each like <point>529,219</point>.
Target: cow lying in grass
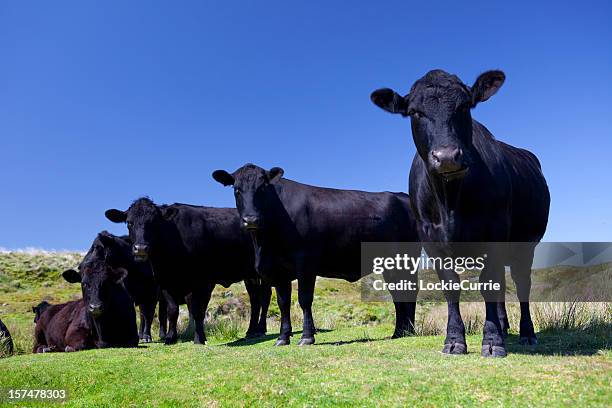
<point>116,252</point>
<point>104,317</point>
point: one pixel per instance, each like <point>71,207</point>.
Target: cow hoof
<point>203,343</point>
<point>47,350</point>
<point>69,349</point>
<point>253,335</point>
<point>146,339</point>
<point>493,351</point>
<point>282,342</point>
<point>306,341</point>
<point>455,348</point>
<point>169,341</point>
<point>399,335</point>
<point>528,341</point>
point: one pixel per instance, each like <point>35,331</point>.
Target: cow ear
<point>390,101</point>
<point>169,212</point>
<point>117,216</point>
<point>120,274</point>
<point>486,85</point>
<point>275,174</point>
<point>105,239</point>
<point>223,177</point>
<point>71,276</point>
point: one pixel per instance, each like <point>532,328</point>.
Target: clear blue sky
<point>102,103</point>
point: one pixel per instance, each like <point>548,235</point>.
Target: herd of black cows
<point>464,186</point>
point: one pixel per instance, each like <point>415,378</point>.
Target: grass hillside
<point>354,363</point>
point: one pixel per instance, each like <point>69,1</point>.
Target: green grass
<point>354,363</point>
<point>348,367</point>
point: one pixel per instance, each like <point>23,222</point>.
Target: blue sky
<point>102,102</point>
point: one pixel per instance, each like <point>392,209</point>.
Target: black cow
<point>301,232</point>
<point>465,186</point>
<point>112,251</point>
<point>6,341</point>
<point>191,249</point>
<point>104,317</point>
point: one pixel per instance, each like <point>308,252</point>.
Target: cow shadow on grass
<point>353,341</point>
<point>250,341</point>
<point>569,342</point>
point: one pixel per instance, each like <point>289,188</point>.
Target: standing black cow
<point>104,317</point>
<point>301,232</point>
<point>191,249</point>
<point>116,252</point>
<point>6,342</point>
<point>465,186</point>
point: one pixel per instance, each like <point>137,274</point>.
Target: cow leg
<point>40,340</point>
<point>147,311</point>
<point>252,287</point>
<point>501,307</point>
<point>283,296</point>
<point>265,293</point>
<point>455,329</point>
<point>405,307</point>
<point>404,319</point>
<point>162,315</point>
<point>521,275</point>
<point>492,337</point>
<point>503,318</point>
<point>199,305</point>
<point>172,308</point>
<point>142,322</point>
<point>306,285</point>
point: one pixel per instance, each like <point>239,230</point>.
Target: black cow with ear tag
<point>466,186</point>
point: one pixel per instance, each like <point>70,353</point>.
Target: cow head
<point>439,107</point>
<point>39,309</point>
<point>144,220</point>
<point>251,187</point>
<point>108,303</point>
<point>101,284</point>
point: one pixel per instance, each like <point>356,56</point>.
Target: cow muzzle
<point>447,162</point>
<point>140,252</point>
<point>250,223</point>
<point>95,309</point>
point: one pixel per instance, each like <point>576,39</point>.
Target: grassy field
<point>354,363</point>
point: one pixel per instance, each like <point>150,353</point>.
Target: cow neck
<point>444,202</point>
<point>280,230</point>
<point>169,245</point>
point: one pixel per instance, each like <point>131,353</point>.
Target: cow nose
<point>140,249</point>
<point>446,159</point>
<point>95,309</point>
<point>250,222</point>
